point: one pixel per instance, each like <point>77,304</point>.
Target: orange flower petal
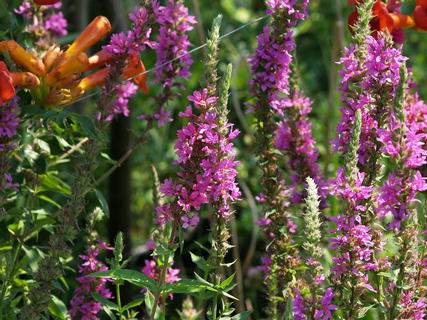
<point>7,90</point>
<point>25,79</point>
<point>51,57</point>
<point>99,59</point>
<point>133,69</point>
<point>94,80</point>
<point>22,57</point>
<point>75,65</point>
<point>94,32</point>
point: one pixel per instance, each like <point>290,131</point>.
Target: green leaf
<point>105,302</point>
<point>133,304</point>
<point>226,282</point>
<point>102,202</point>
<point>135,277</point>
<point>363,311</point>
<point>201,263</point>
<point>58,308</point>
<point>109,313</point>
<point>187,286</point>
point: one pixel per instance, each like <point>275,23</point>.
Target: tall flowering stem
<point>83,305</point>
<point>404,145</point>
<point>171,45</point>
<point>295,139</point>
<point>270,67</point>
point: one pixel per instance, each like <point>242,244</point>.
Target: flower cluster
<point>44,22</point>
<point>208,166</point>
<point>352,241</point>
<point>294,138</point>
<point>152,271</point>
<point>123,91</point>
<point>125,48</point>
<point>9,122</point>
<point>412,308</point>
<point>83,306</point>
<point>322,312</point>
<point>135,40</point>
<point>363,83</point>
<point>172,43</point>
<point>270,66</point>
<point>293,10</point>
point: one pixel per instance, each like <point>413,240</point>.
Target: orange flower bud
<point>99,59</point>
<point>7,90</point>
<point>133,70</point>
<point>420,17</point>
<point>25,79</point>
<point>94,32</point>
<point>22,57</point>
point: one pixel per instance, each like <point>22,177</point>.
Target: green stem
<point>400,278</point>
<point>159,293</point>
<point>119,302</point>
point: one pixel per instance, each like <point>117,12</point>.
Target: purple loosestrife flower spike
<point>294,138</point>
<point>172,43</point>
<point>270,85</point>
<point>327,307</point>
<point>83,306</point>
<point>352,241</point>
<point>9,122</point>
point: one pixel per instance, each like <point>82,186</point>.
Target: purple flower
<point>298,308</point>
<point>362,82</point>
<point>325,312</point>
<point>162,116</point>
<point>24,10</point>
<point>294,138</point>
<point>207,165</point>
<point>57,24</point>
<point>396,195</point>
<point>270,66</point>
<point>152,271</point>
<point>352,239</point>
<point>172,43</point>
<point>9,121</point>
<point>412,308</point>
<point>294,11</point>
<point>83,306</point>
<point>133,41</point>
<point>123,92</point>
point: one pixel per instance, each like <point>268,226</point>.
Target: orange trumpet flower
<point>7,90</point>
<point>93,33</point>
<point>56,77</point>
<point>134,70</point>
<point>22,57</point>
